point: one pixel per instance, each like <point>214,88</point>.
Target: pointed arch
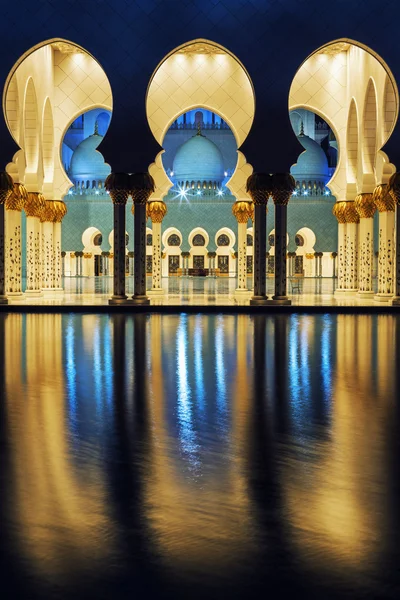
<point>48,142</point>
<point>352,143</point>
<point>389,107</point>
<point>369,129</point>
<point>31,128</point>
<point>12,109</point>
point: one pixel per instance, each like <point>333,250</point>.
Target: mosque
<point>200,209</point>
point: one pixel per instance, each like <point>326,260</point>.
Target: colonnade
<point>356,244</point>
<point>43,241</point>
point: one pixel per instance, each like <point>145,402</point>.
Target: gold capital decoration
<point>16,200</point>
<point>6,186</point>
<point>258,186</point>
<point>60,210</point>
<point>141,187</point>
<point>34,204</point>
<point>48,214</point>
<point>365,205</point>
<point>394,187</point>
<point>339,210</point>
<point>119,196</point>
<point>118,186</point>
<point>156,210</point>
<point>283,186</point>
<point>243,210</point>
<point>87,255</point>
<point>384,201</point>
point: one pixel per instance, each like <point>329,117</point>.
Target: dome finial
<point>301,129</point>
<point>96,128</point>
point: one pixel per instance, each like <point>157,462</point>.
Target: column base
<point>365,295</point>
<point>280,301</point>
<point>156,292</point>
<point>139,300</point>
<point>349,292</point>
<point>259,301</point>
<point>15,295</point>
<point>33,293</point>
<point>116,300</point>
<point>3,300</point>
<point>241,293</point>
<point>383,297</point>
<point>396,301</point>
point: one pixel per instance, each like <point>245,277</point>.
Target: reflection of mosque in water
<point>200,450</point>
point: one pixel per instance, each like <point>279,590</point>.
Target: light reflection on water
<point>199,455</point>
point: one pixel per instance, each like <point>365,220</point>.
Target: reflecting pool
<point>196,456</point>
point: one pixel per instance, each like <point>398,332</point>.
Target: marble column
<point>185,263</point>
<point>259,189</point>
<point>13,244</point>
<point>6,188</point>
<point>365,207</point>
<point>119,198</point>
<point>34,205</point>
<point>140,197</point>
<point>386,206</point>
<point>352,254</point>
<point>131,256</point>
<point>156,211</point>
<point>334,258</point>
<point>243,211</point>
<point>339,210</point>
<point>47,218</point>
<point>281,200</point>
<point>60,212</point>
<point>394,190</point>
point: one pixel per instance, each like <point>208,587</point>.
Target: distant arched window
<point>199,240</point>
<point>174,240</point>
<point>98,239</point>
<point>299,240</point>
<point>271,239</point>
<point>249,239</point>
<point>149,239</point>
<point>223,240</point>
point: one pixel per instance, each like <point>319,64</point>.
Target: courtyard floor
<point>189,293</point>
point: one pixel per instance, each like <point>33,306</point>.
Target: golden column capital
<point>394,187</point>
<point>258,186</point>
<point>156,210</point>
<point>339,210</point>
<point>119,196</point>
<point>141,187</point>
<point>60,210</point>
<point>48,213</point>
<point>16,200</point>
<point>283,186</point>
<point>118,186</point>
<point>34,204</point>
<point>243,210</point>
<point>365,205</point>
<point>384,201</point>
<point>6,186</point>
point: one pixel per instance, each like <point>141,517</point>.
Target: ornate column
<point>339,210</point>
<point>185,264</point>
<point>334,257</point>
<point>386,206</point>
<point>6,188</point>
<point>47,217</point>
<point>156,211</point>
<point>34,205</point>
<point>142,186</point>
<point>352,220</point>
<point>14,205</point>
<point>60,210</point>
<point>365,207</point>
<point>259,189</point>
<point>282,189</point>
<point>394,190</point>
<point>243,211</point>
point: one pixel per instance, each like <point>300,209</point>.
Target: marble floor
<point>195,291</point>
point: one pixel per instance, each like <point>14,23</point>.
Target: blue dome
<point>198,159</point>
<point>87,163</point>
<point>312,164</point>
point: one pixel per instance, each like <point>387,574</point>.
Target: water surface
<point>199,456</point>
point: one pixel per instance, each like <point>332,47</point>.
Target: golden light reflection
<point>61,514</point>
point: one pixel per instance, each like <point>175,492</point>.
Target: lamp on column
<point>141,187</point>
<point>6,188</point>
<point>283,185</point>
<point>259,187</point>
<point>118,186</point>
<point>156,211</point>
<point>14,204</point>
<point>386,205</point>
<point>243,210</point>
<point>394,190</point>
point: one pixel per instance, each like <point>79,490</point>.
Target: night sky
<point>129,38</point>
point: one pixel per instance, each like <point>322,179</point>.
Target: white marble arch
<point>310,240</point>
<point>339,81</point>
<point>200,74</point>
<point>227,250</point>
<point>199,250</point>
<point>170,250</point>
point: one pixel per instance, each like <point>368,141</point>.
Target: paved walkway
<point>94,292</point>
